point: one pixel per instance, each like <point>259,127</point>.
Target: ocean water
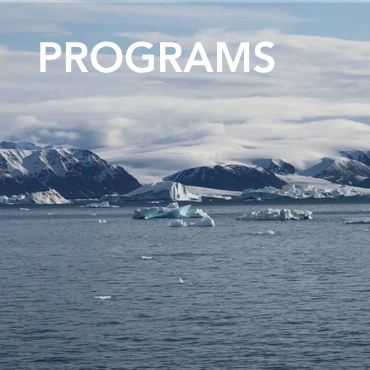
<point>298,299</point>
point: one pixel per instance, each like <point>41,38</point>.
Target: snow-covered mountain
<point>74,173</point>
<point>357,155</point>
<point>341,170</point>
<point>227,177</point>
<point>23,145</point>
<point>277,166</point>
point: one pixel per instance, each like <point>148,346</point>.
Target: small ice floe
<point>146,258</point>
<point>177,223</point>
<point>276,215</point>
<point>256,199</point>
<point>360,221</point>
<point>102,222</point>
<point>103,297</point>
<point>24,209</point>
<point>196,213</point>
<point>206,221</point>
<point>181,281</point>
<point>267,232</point>
<point>99,205</point>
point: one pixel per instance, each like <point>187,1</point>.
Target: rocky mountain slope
<point>227,177</point>
<point>277,166</point>
<point>74,173</point>
<point>340,170</point>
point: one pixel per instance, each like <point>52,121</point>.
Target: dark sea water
<point>299,299</point>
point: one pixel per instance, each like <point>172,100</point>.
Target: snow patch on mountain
<point>75,173</point>
<point>277,166</point>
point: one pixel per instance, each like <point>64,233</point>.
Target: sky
<point>314,103</point>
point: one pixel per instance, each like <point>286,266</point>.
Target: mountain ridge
<point>232,177</point>
<point>74,173</point>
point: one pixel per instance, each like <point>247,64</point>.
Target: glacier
<point>271,214</point>
<point>300,192</point>
<point>41,197</point>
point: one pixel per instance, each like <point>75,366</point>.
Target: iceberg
<point>164,190</point>
<point>276,215</point>
<point>41,197</point>
<point>196,213</point>
<point>171,211</point>
<point>145,213</point>
<point>175,213</point>
<point>206,221</point>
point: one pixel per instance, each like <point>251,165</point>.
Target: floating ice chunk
<point>102,222</point>
<point>103,297</point>
<point>99,205</point>
<point>146,258</point>
<point>164,190</point>
<point>270,232</point>
<point>196,213</point>
<point>181,281</point>
<point>177,223</point>
<point>173,205</point>
<point>171,211</point>
<point>361,221</point>
<point>206,221</point>
<point>254,199</point>
<point>175,213</point>
<point>145,213</point>
<point>276,215</point>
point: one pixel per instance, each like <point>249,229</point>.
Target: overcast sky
<point>314,103</point>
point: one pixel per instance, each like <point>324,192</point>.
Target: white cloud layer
<point>313,104</point>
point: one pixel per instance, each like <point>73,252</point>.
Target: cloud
<point>313,104</point>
